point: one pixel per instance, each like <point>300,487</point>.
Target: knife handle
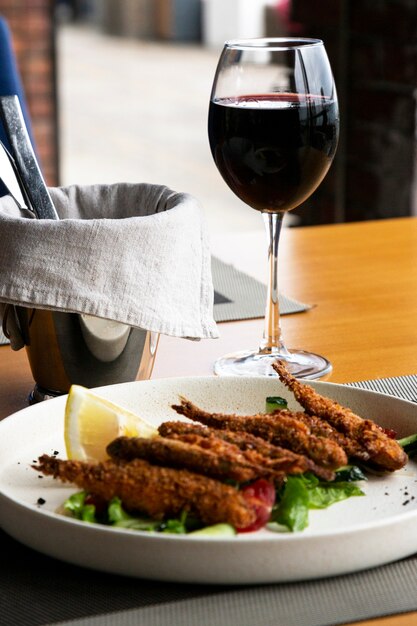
<point>25,160</point>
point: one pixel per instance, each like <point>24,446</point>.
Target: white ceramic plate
<point>355,534</point>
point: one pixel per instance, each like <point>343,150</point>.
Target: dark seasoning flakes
<point>406,494</point>
<point>42,501</point>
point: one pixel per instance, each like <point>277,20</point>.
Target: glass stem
<point>272,340</point>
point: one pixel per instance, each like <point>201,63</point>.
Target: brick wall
<point>32,26</point>
<point>372,46</point>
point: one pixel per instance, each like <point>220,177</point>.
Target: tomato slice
<point>389,432</point>
<point>260,495</point>
<point>97,501</point>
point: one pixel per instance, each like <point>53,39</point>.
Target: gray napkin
<point>133,253</point>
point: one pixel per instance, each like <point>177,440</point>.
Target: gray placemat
<point>238,296</point>
<point>388,590</point>
<point>377,592</point>
<point>404,387</point>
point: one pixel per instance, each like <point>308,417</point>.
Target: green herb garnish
<point>349,474</point>
<point>409,444</point>
<point>275,403</point>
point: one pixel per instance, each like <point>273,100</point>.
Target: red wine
<point>273,150</point>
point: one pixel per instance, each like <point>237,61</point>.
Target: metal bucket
<point>68,348</point>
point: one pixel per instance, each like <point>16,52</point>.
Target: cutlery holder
<point>68,348</point>
<point>88,294</point>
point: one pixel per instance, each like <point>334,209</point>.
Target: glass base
<point>40,394</point>
<point>300,364</point>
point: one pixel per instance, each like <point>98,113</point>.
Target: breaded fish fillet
<point>159,492</point>
<point>209,456</point>
<point>287,432</point>
<point>321,428</point>
<point>275,457</point>
<point>384,452</point>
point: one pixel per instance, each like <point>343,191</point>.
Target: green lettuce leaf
<point>325,494</point>
<point>302,493</point>
<point>75,504</point>
<point>292,510</point>
<point>118,517</point>
<point>175,526</point>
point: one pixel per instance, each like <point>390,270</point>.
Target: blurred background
<point>118,90</point>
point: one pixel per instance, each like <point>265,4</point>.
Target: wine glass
<point>273,129</point>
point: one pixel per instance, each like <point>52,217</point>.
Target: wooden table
<point>362,277</point>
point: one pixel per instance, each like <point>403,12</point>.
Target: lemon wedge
<point>92,422</point>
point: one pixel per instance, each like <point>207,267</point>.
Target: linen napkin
<point>132,253</point>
